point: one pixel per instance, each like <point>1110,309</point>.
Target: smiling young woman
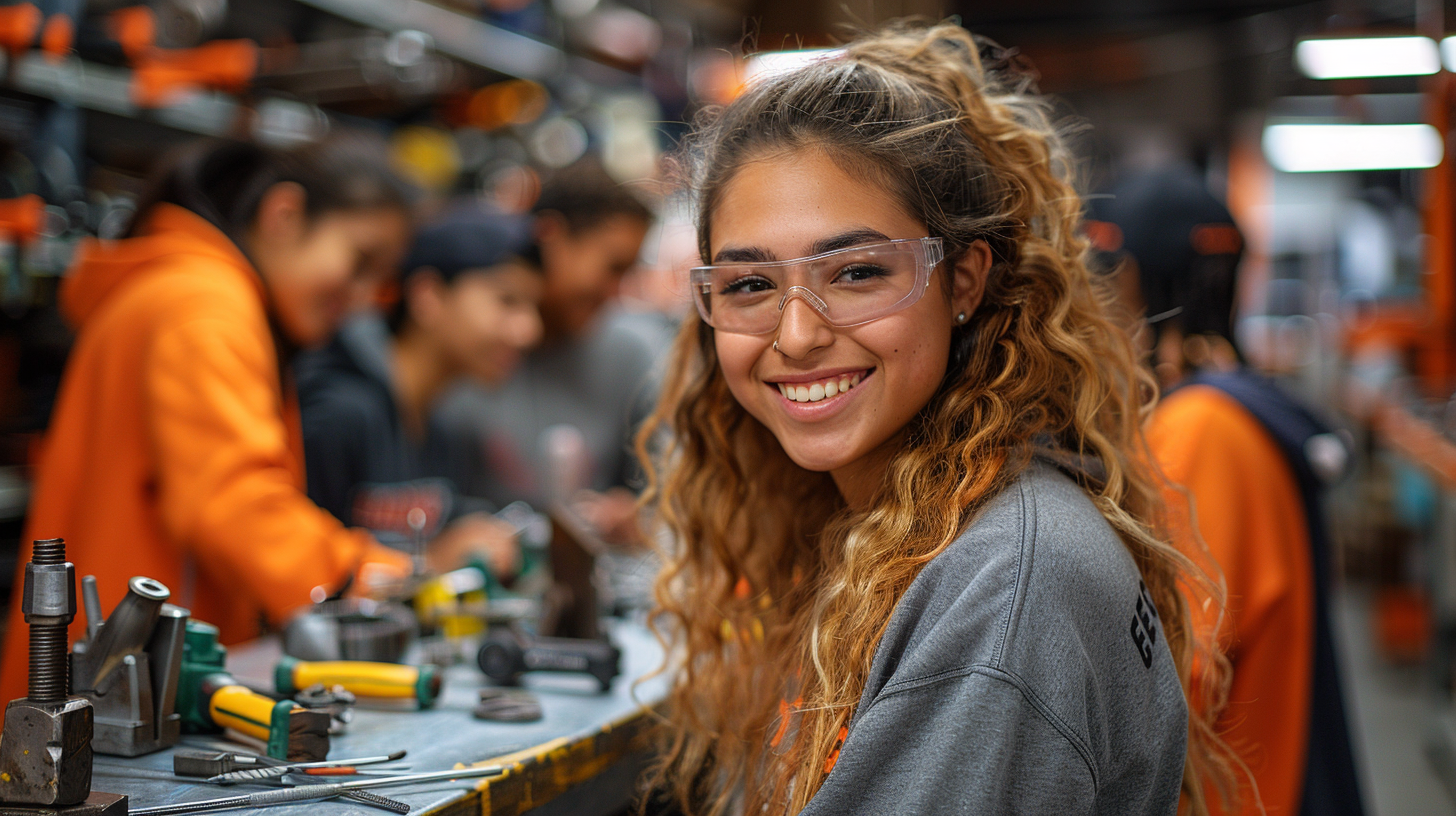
<point>915,566</point>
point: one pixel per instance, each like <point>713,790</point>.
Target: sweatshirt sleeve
<point>226,484</point>
<point>970,743</point>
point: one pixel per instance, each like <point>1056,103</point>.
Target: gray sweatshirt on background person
<point>1024,672</point>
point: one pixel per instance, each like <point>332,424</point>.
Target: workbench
<point>583,756</point>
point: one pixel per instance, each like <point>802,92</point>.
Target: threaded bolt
<point>49,551</point>
<point>49,681</point>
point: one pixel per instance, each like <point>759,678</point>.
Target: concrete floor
<point>1391,713</point>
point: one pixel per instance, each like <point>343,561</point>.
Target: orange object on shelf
<point>163,75</point>
<point>20,218</point>
<point>1402,624</point>
<point>135,29</point>
<point>19,25</point>
<point>57,36</point>
<point>1416,439</point>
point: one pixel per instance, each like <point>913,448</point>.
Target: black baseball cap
<point>1184,240</point>
<point>469,236</point>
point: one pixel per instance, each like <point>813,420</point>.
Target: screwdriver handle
<point>263,718</point>
<point>361,678</point>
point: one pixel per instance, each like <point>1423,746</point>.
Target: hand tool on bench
<point>215,764</point>
<point>211,700</point>
<point>509,653</point>
<point>281,769</point>
<point>361,678</point>
<point>307,793</point>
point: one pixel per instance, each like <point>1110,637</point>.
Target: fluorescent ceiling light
<point>1448,53</point>
<point>777,62</point>
<point>1368,57</point>
<point>1328,148</point>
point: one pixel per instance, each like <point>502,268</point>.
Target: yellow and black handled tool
<point>361,678</point>
<point>211,700</point>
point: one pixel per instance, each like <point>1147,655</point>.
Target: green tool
<point>209,700</point>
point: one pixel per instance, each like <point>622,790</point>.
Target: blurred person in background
<point>655,296</point>
<point>561,427</point>
<point>175,451</point>
<point>1253,462</point>
<point>467,308</point>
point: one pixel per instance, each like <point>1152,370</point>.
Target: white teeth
<point>816,392</point>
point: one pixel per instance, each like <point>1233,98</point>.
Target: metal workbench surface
<point>583,735</point>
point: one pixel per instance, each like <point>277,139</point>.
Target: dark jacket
<point>362,466</point>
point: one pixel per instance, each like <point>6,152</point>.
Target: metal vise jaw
<point>129,668</point>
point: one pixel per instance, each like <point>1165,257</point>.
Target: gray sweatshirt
<point>1024,671</point>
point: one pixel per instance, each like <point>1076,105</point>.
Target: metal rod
<point>306,793</point>
<point>431,776</point>
<point>91,597</point>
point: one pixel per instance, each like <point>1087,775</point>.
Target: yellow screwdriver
<point>361,678</point>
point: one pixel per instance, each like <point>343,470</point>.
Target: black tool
<point>129,667</point>
<point>207,764</point>
<point>508,653</point>
<point>45,750</point>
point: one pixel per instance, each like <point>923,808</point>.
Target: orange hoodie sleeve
<point>1248,510</point>
<point>229,487</point>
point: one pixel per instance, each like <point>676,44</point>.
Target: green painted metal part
<point>278,729</point>
<point>202,657</point>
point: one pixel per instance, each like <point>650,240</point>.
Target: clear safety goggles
<point>847,287</point>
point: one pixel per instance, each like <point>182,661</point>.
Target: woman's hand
<point>477,534</point>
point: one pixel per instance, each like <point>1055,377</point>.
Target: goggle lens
<point>847,287</point>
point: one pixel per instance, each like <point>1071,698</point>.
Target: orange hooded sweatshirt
<point>1248,510</point>
<point>174,451</point>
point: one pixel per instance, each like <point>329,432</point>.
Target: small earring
<point>776,345</point>
<point>961,318</point>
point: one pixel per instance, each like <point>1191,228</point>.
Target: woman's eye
<point>858,273</point>
<point>746,285</point>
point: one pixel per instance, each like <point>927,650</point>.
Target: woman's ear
<point>282,213</point>
<point>969,280</point>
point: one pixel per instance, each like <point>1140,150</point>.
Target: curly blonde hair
<point>774,588</point>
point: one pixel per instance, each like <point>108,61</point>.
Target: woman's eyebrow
<point>742,255</point>
<point>848,238</point>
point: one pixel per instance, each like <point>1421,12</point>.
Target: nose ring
<point>776,345</point>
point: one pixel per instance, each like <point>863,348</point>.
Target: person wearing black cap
<point>1246,465</point>
<point>467,309</point>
